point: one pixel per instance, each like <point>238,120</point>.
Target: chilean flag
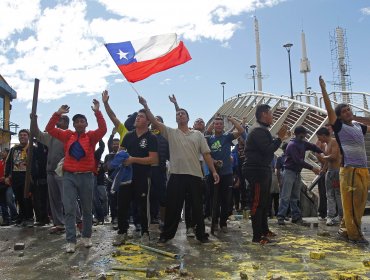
<point>139,59</point>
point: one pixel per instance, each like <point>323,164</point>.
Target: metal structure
<point>305,63</point>
<point>253,67</point>
<point>287,47</point>
<point>340,63</point>
<point>258,55</point>
<point>223,91</point>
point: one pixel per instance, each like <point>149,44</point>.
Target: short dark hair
<point>339,107</point>
<point>218,119</point>
<point>160,118</point>
<point>65,118</point>
<point>262,108</point>
<point>186,112</point>
<point>79,116</point>
<point>300,130</point>
<point>323,131</point>
<point>25,131</point>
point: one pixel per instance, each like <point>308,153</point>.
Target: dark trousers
<point>25,204</point>
<point>260,184</point>
<point>157,195</point>
<point>40,201</point>
<point>322,211</point>
<point>274,204</point>
<point>245,194</point>
<point>112,201</point>
<point>136,191</point>
<point>178,187</point>
<point>223,198</point>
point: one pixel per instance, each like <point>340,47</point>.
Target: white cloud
<point>166,81</point>
<point>365,11</point>
<point>62,44</point>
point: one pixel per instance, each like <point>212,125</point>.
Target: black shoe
<point>361,242</point>
<point>39,224</point>
<point>162,241</point>
<point>154,221</point>
<point>298,221</point>
<point>5,223</point>
<point>281,221</point>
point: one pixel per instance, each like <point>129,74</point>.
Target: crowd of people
<point>155,174</point>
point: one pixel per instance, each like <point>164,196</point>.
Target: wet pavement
<point>302,252</point>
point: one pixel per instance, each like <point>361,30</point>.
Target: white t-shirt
<point>184,151</point>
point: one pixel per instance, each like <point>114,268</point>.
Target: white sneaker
<point>71,247</point>
<point>190,232</point>
<point>145,239</point>
<point>337,219</point>
<point>330,222</point>
<point>87,242</point>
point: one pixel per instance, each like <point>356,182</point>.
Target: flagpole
<point>134,89</point>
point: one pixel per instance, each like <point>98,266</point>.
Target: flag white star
<point>122,54</point>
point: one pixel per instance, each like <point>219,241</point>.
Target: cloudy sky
<point>62,44</point>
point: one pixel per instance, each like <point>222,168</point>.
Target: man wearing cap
<point>78,167</point>
<point>294,163</point>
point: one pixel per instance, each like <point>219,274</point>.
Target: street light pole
<point>287,47</point>
<point>253,67</point>
<point>223,91</point>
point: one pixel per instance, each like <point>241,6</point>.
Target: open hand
<point>172,98</point>
<point>105,96</point>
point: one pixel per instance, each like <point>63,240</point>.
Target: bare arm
<point>237,125</point>
<point>210,163</point>
<point>150,115</point>
<point>149,160</point>
<point>331,114</point>
<point>108,109</point>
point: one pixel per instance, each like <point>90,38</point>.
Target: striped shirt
<point>351,141</point>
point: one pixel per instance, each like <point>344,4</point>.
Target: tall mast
<point>258,55</point>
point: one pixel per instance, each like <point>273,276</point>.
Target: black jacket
<point>260,147</point>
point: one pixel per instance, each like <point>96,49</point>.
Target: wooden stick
<point>27,182</point>
<point>161,252</point>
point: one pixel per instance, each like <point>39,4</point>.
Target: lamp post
<point>253,67</point>
<point>223,91</point>
<point>287,47</point>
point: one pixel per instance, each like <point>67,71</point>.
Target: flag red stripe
<point>138,71</point>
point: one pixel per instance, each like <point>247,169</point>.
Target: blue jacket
<point>122,174</point>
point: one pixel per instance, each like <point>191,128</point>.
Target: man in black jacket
<point>259,152</point>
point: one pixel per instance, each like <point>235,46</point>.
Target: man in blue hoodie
<point>294,163</point>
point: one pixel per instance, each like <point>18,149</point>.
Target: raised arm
<point>174,101</point>
<point>150,115</point>
<point>108,109</point>
<point>58,133</point>
<point>331,114</point>
<point>237,125</point>
<point>98,134</point>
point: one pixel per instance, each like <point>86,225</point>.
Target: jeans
<point>333,196</point>
<point>10,202</point>
<point>77,185</point>
<point>100,202</point>
<point>290,195</point>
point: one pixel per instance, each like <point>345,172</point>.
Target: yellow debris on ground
<point>317,255</point>
<point>222,275</point>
